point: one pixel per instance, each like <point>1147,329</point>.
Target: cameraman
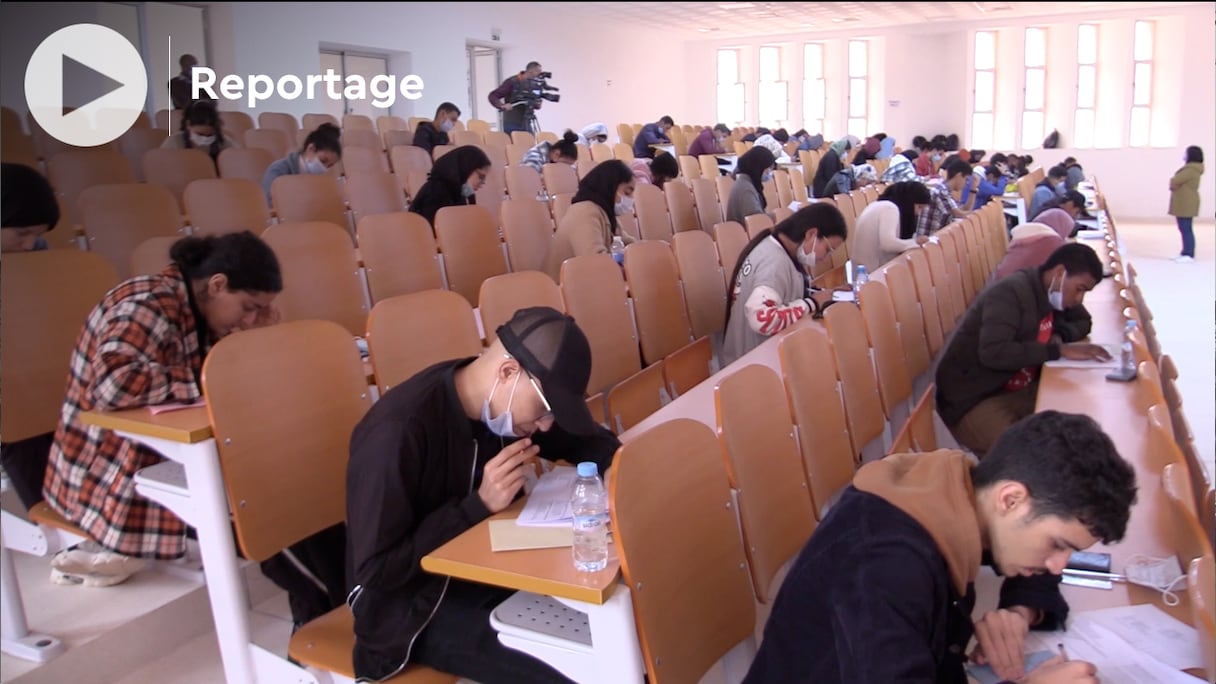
<point>515,118</point>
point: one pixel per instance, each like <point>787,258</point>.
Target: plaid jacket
<point>139,347</point>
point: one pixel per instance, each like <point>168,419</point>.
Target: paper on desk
<point>985,675</point>
<point>1117,661</point>
<point>166,408</point>
<point>1153,631</point>
<point>506,535</point>
<point>1112,349</point>
<point>842,296</point>
<point>549,503</point>
<point>1090,234</point>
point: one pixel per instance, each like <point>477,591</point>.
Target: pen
<point>1063,653</point>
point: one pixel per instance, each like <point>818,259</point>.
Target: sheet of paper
<point>1117,661</point>
<point>1153,631</point>
<point>166,408</point>
<point>506,535</point>
<point>842,296</point>
<point>1090,234</point>
<point>1112,349</point>
<point>549,503</point>
<point>985,675</point>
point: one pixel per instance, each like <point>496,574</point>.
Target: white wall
<point>276,39</point>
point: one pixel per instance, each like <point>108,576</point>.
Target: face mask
<point>40,245</point>
<point>314,166</point>
<point>1056,297</point>
<point>625,206</point>
<point>504,424</point>
<point>447,126</point>
<point>1161,574</point>
<point>768,176</point>
<point>1060,186</point>
<point>201,140</point>
<point>808,259</point>
<point>937,157</point>
<point>467,190</point>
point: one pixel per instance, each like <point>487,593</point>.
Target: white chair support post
<point>15,636</point>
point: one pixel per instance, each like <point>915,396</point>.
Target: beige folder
<point>505,535</point>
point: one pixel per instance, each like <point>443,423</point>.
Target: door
<point>366,67</point>
<point>485,74</point>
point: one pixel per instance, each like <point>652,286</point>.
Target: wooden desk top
<point>188,426</point>
<point>540,571</point>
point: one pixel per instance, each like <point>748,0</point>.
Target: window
<point>984,91</point>
<point>1142,85</point>
<point>774,94</point>
<point>1087,84</point>
<point>730,90</point>
<point>859,105</point>
<point>1035,89</point>
<point>814,90</point>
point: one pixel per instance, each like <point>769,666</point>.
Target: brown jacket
<point>1184,191</point>
<point>585,229</point>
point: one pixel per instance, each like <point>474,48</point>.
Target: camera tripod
<point>530,122</point>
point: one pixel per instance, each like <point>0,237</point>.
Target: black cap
<point>550,346</point>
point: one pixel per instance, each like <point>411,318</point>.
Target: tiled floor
<point>1182,299</point>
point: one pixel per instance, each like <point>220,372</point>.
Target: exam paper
<point>985,675</point>
<point>1153,631</point>
<point>1117,661</point>
<point>549,503</point>
<point>1112,349</point>
<point>842,296</point>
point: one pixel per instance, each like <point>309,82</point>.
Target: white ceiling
<point>733,20</point>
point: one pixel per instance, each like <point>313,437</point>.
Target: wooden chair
<point>117,218</point>
<point>398,352</point>
<point>602,152</point>
<point>917,434</point>
<point>305,198</point>
<point>523,182</point>
<point>662,318</point>
<point>357,122</point>
<point>311,122</point>
<point>177,169</point>
<point>680,207</point>
<point>133,144</point>
<point>472,252</point>
<point>226,205</point>
<point>651,206</point>
<point>705,197</point>
<point>620,151</point>
<point>595,295</point>
<point>151,256</point>
<point>47,297</point>
<point>527,231</point>
<point>372,193</point>
<point>248,163</point>
<point>321,279</point>
<point>497,139</point>
<point>757,437</point>
<point>690,168</point>
<point>559,178</point>
<point>73,171</point>
<point>696,553</point>
<point>688,367</point>
<point>399,255</point>
<point>637,397</point>
<point>404,158</point>
<point>275,141</point>
<point>863,407</point>
<point>523,138</point>
<point>357,159</point>
<point>890,366</point>
<point>317,372</point>
<point>949,289</point>
<point>703,281</point>
<point>467,138</point>
<point>932,309</point>
<point>1201,578</point>
<point>502,295</point>
<point>756,223</point>
<point>731,239</point>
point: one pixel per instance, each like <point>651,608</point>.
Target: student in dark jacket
<point>988,376</point>
<point>435,456</point>
<point>453,181</point>
<point>829,165</point>
<point>885,588</point>
<point>435,132</point>
<point>652,134</point>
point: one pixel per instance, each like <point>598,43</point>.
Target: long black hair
<point>443,187</point>
<point>1194,153</point>
<point>824,217</point>
<point>203,113</point>
<point>600,184</point>
<point>753,164</point>
<point>248,262</point>
<point>906,195</point>
<point>326,137</point>
<point>566,147</point>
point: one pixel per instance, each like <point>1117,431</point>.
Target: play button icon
<point>96,70</point>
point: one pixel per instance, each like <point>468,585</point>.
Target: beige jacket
<point>585,229</point>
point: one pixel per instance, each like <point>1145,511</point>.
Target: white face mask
<point>504,424</point>
<point>201,140</point>
<point>625,206</point>
<point>1162,574</point>
<point>314,166</point>
<point>809,259</point>
<point>447,126</point>
<point>1056,297</point>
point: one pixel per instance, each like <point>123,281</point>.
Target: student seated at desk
<point>709,141</point>
<point>943,208</point>
<point>768,288</point>
<point>321,150</point>
<point>1030,244</point>
<point>652,134</point>
<point>435,456</point>
<point>829,165</point>
<point>590,224</point>
<point>887,228</point>
<point>1072,202</point>
<point>746,196</point>
<point>1048,189</point>
<point>988,376</point>
<point>564,151</point>
<point>655,171</point>
<point>885,588</point>
<point>453,181</point>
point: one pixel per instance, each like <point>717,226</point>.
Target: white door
<point>485,74</point>
<point>367,67</point>
<point>330,61</point>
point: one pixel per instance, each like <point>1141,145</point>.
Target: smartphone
<point>1121,375</point>
<point>1087,560</point>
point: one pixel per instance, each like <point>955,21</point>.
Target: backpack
<point>1052,141</point>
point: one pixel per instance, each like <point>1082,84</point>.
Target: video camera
<point>533,90</point>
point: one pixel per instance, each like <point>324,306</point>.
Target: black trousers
<point>25,463</point>
<point>324,556</point>
<point>460,641</point>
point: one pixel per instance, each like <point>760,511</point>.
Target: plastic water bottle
<point>1128,357</point>
<point>589,503</point>
<point>862,277</point>
<point>618,250</point>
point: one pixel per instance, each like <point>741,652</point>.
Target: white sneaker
<point>86,580</point>
<point>1184,259</point>
<point>89,559</point>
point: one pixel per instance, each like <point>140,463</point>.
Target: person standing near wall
<point>1184,201</point>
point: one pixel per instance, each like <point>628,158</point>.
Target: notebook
<point>166,408</point>
<point>505,535</point>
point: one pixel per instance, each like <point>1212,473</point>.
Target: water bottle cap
<point>587,469</point>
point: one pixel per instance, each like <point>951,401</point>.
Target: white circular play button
<point>101,70</point>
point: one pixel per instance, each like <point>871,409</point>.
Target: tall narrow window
<point>814,89</point>
<point>1087,85</point>
<point>774,92</point>
<point>1036,86</point>
<point>1142,85</point>
<point>859,101</point>
<point>984,90</point>
<point>730,90</point>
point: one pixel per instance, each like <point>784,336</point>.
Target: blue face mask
<point>768,176</point>
<point>467,190</point>
<point>504,424</point>
<point>40,245</point>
